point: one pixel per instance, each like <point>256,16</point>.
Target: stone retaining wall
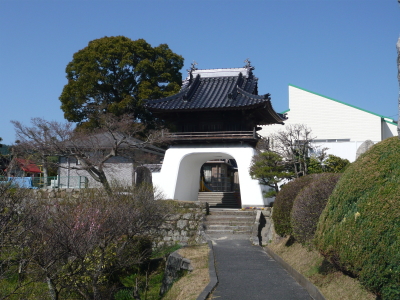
<point>183,226</point>
<point>186,225</point>
<point>56,193</point>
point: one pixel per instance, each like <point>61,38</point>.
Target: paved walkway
<point>247,272</point>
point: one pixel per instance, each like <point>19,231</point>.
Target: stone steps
<point>229,222</point>
<point>232,223</point>
<point>227,232</point>
<point>229,227</point>
<point>219,199</point>
<point>232,213</point>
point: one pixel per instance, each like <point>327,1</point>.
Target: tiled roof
<point>28,166</point>
<point>216,89</point>
<point>106,140</point>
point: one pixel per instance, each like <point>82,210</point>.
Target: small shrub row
<point>284,202</point>
<point>309,204</point>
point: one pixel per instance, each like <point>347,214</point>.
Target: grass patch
<point>32,290</point>
<point>333,284</point>
<point>164,251</point>
<point>190,286</point>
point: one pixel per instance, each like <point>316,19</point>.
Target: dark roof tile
<point>215,90</point>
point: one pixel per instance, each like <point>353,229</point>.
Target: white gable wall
<point>389,129</point>
<point>330,119</point>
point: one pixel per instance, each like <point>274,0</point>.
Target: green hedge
<point>309,204</point>
<point>359,229</point>
<point>284,202</point>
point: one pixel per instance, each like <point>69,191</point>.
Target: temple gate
<point>214,117</point>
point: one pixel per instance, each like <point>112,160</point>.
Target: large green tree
<point>115,75</point>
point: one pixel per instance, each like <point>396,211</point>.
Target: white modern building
<point>338,126</point>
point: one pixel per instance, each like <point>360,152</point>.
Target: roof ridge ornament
<point>192,67</point>
<point>190,71</point>
<point>248,65</point>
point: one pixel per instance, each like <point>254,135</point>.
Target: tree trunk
<point>10,168</point>
<point>52,290</point>
<point>100,176</point>
<point>104,182</point>
<point>45,172</point>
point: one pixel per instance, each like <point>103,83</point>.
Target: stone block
<point>173,217</point>
<point>167,225</point>
<point>186,264</point>
<point>181,224</point>
<point>266,213</point>
<point>187,216</point>
<point>174,264</point>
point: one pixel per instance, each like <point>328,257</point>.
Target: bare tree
<point>294,145</point>
<point>34,140</point>
<point>82,243</point>
<point>14,258</point>
<point>117,136</point>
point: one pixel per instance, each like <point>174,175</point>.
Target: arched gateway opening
<point>189,175</point>
<point>180,174</point>
<point>214,116</point>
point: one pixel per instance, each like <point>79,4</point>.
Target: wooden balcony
<point>250,137</point>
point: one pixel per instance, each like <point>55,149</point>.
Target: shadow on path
<point>247,272</point>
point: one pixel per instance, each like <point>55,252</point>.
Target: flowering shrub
<point>359,229</point>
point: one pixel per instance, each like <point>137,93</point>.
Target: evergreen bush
<point>309,204</point>
<point>284,202</point>
<point>359,229</point>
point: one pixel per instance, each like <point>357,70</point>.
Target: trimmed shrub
<point>284,202</point>
<point>309,204</point>
<point>336,164</point>
<point>359,229</point>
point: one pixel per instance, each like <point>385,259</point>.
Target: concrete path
<point>247,272</point>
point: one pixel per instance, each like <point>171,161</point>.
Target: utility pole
<point>398,77</point>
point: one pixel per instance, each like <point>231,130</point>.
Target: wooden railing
<point>214,135</point>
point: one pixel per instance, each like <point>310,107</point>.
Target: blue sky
<point>343,49</point>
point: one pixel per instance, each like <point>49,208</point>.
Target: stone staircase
<point>220,199</point>
<point>229,222</point>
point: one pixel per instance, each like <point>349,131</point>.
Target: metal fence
<point>60,182</point>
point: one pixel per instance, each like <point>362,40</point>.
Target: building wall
<point>347,150</point>
<point>389,129</point>
<point>118,170</point>
<point>330,119</point>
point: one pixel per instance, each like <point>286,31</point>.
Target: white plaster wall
<point>388,130</point>
<point>118,172</point>
<point>347,150</point>
<point>180,173</point>
<point>328,119</point>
